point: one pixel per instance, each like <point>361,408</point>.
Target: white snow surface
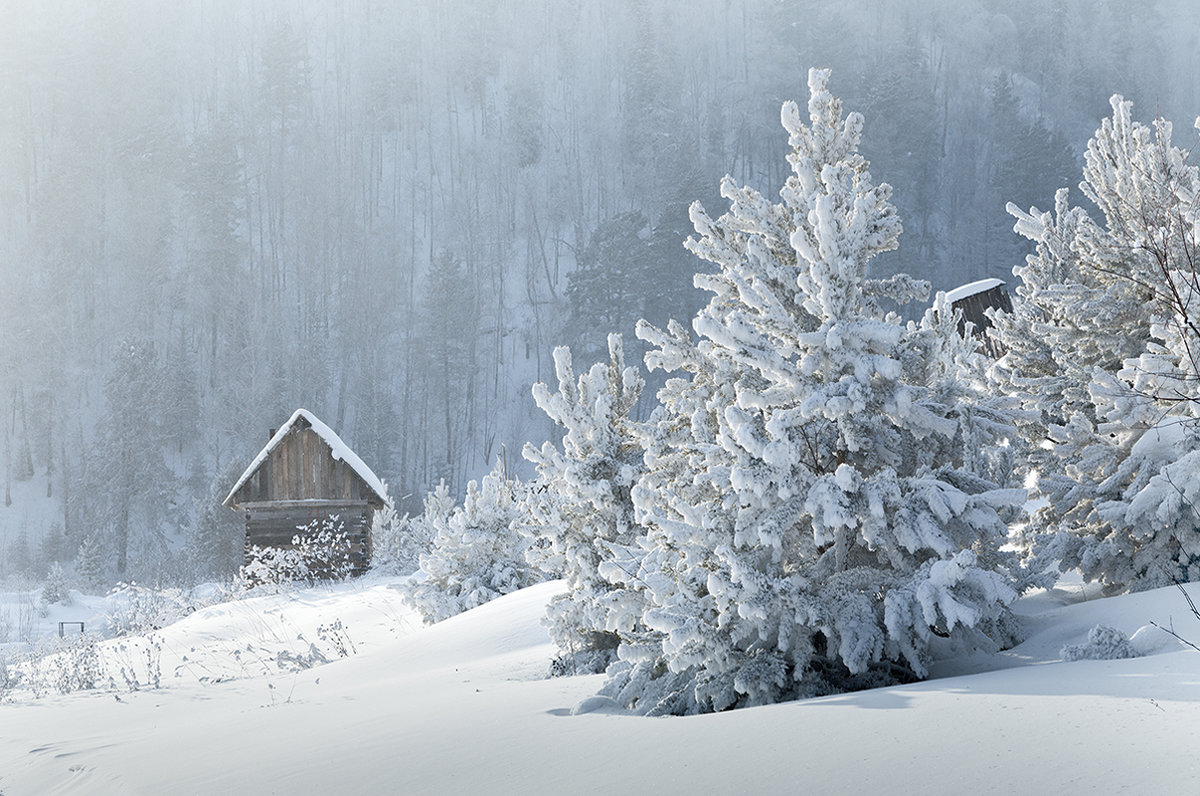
<point>340,450</point>
<point>463,707</point>
<point>963,291</point>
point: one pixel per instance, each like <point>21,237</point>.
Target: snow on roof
<point>337,448</point>
<point>964,291</point>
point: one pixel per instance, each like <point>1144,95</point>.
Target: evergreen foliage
<point>18,554</point>
<point>815,513</point>
<point>128,483</point>
<point>1101,352</point>
<point>90,566</point>
<point>580,508</point>
<point>216,535</point>
<point>476,553</point>
<point>54,590</point>
<point>398,541</point>
<point>54,544</point>
<point>620,277</point>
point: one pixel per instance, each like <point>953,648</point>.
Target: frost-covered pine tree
<point>580,508</point>
<point>814,515</point>
<point>477,554</point>
<point>19,557</point>
<point>1101,348</point>
<point>398,541</point>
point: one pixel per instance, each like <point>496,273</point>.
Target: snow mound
<point>463,706</point>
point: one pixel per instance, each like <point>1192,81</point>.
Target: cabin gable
<point>301,467</point>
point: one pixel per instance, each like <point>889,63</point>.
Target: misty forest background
<point>389,213</point>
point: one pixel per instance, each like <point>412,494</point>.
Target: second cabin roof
<point>964,291</point>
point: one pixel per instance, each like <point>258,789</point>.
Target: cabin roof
<point>338,450</point>
<point>965,291</point>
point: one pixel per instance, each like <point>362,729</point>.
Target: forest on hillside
<point>214,213</point>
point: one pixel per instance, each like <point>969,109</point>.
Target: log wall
<point>277,524</point>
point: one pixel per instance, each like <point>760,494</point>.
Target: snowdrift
<point>463,707</point>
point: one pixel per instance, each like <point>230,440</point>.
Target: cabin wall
<point>277,524</point>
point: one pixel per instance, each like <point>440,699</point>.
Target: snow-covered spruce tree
<point>90,564</point>
<point>398,541</point>
<point>215,535</point>
<point>477,554</point>
<point>815,516</point>
<point>54,590</point>
<point>580,507</point>
<point>1102,348</point>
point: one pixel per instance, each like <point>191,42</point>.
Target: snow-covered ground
<point>247,706</point>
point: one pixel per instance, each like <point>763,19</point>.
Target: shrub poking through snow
<point>138,609</point>
<point>1104,644</point>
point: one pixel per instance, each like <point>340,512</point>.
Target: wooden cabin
<point>307,473</point>
<point>973,300</point>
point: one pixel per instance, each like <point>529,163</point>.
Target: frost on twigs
<point>320,552</point>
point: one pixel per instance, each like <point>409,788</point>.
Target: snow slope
<point>462,707</point>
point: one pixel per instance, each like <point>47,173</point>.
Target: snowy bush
<point>476,555</point>
<point>1104,644</point>
<point>28,613</point>
<point>61,666</point>
<point>215,535</point>
<point>8,676</point>
<point>817,502</point>
<point>74,665</point>
<point>1102,348</point>
<point>134,609</point>
<point>326,550</point>
<point>89,564</point>
<point>580,507</point>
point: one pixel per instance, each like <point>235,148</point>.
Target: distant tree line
<point>214,213</point>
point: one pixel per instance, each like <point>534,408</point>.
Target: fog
<point>389,213</point>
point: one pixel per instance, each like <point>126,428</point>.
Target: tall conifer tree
<point>814,514</point>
